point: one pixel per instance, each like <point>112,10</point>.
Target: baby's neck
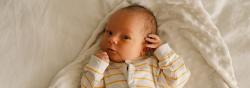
<point>129,59</point>
<point>137,59</point>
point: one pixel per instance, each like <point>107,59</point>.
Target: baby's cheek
<point>124,53</point>
<point>130,52</point>
<point>102,45</point>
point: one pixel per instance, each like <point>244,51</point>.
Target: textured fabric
<point>190,32</point>
<point>164,70</point>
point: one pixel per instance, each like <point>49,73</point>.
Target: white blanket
<point>187,27</point>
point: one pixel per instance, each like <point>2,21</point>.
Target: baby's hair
<point>151,23</point>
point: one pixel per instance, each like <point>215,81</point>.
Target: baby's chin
<point>116,59</point>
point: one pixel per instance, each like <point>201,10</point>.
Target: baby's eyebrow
<point>128,35</point>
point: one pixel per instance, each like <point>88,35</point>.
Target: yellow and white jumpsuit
<point>163,70</point>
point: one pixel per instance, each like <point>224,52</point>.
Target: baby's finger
<point>154,36</point>
<point>152,45</point>
<point>102,54</point>
<point>152,40</point>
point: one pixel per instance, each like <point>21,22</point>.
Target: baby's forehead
<point>131,15</point>
<point>136,16</point>
<point>126,21</point>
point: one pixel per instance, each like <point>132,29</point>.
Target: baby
<point>124,60</point>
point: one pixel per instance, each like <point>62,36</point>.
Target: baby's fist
<point>153,41</point>
<point>103,56</point>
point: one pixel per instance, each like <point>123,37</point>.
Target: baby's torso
<point>141,73</point>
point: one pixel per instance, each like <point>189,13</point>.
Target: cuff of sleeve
<point>162,50</point>
<point>97,64</point>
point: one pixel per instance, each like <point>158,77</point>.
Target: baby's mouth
<point>110,50</point>
<point>114,55</point>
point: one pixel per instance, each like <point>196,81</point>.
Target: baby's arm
<point>172,68</point>
<point>93,71</point>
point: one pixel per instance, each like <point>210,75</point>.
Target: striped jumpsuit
<point>163,70</point>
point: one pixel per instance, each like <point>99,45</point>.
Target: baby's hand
<point>153,41</point>
<point>103,55</point>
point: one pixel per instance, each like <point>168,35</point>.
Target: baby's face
<point>124,36</point>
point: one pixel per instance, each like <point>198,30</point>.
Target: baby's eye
<point>108,32</point>
<point>126,37</point>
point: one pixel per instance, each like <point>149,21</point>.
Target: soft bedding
<point>39,38</point>
<point>186,26</point>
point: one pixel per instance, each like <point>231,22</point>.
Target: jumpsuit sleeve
<point>93,73</point>
<point>173,71</point>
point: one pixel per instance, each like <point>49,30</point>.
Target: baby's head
<point>125,33</point>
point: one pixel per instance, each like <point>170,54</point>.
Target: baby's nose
<point>113,40</point>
